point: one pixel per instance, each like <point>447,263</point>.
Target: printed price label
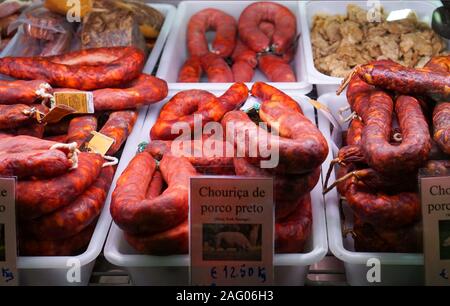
<point>231,231</point>
<point>435,196</point>
<point>98,143</point>
<point>8,248</point>
<point>81,102</point>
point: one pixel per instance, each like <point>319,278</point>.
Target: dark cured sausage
<point>441,124</point>
<point>124,65</point>
<point>191,71</point>
<point>302,147</point>
<point>288,188</point>
<point>57,138</point>
<point>74,218</point>
<point>292,232</point>
<point>184,105</point>
<point>156,186</point>
<point>216,69</point>
<point>119,127</point>
<point>211,19</point>
<point>12,116</point>
<point>23,92</point>
<point>64,247</point>
<point>390,75</point>
<point>354,132</point>
<point>416,143</point>
<point>144,90</point>
<point>170,242</point>
<point>276,69</point>
<point>35,163</point>
<point>24,143</point>
<point>284,21</point>
<point>37,198</point>
<point>80,129</point>
<point>130,209</point>
<point>59,128</point>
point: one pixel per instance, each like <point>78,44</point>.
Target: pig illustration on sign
<point>228,240</point>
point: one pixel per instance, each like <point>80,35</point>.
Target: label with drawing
<point>231,231</point>
<point>8,249</point>
<point>435,196</point>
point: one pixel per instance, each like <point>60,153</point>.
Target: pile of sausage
<point>150,203</point>
<point>58,196</point>
<point>264,37</point>
<point>9,13</point>
<point>380,162</point>
<point>112,74</point>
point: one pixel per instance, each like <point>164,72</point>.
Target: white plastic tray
<point>308,9</point>
<point>396,268</point>
<point>290,269</point>
<point>175,52</point>
<point>34,270</point>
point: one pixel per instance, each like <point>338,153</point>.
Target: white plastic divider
<point>325,83</point>
<point>290,269</point>
<point>64,270</point>
<point>396,268</point>
<point>175,52</point>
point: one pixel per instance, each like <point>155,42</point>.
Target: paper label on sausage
<point>98,143</point>
<point>82,102</point>
<point>8,248</point>
<point>435,197</point>
<point>231,231</point>
<point>57,113</point>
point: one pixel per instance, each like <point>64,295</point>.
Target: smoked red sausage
<point>37,198</point>
<point>135,214</point>
<point>191,71</point>
<point>118,127</point>
<point>112,67</point>
<point>211,19</point>
<point>283,19</point>
<point>441,124</point>
<point>23,92</point>
<point>244,62</point>
<point>74,218</point>
<point>276,69</point>
<point>80,129</point>
<point>216,69</point>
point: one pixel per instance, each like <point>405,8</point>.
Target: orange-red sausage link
<point>118,127</point>
<point>65,247</point>
<point>122,65</point>
<point>211,19</point>
<point>17,144</point>
<point>354,132</point>
<point>283,19</point>
<point>35,163</point>
<point>170,242</point>
<point>244,62</point>
<point>12,116</point>
<point>37,198</point>
<point>74,218</point>
<point>80,129</point>
<point>292,232</point>
<point>441,124</point>
<point>416,141</point>
<point>276,69</point>
<point>216,69</point>
<point>23,92</point>
<point>191,71</point>
<point>135,214</point>
<point>156,185</point>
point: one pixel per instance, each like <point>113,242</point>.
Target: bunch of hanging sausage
<point>379,166</point>
<point>155,220</point>
<point>60,193</point>
<point>264,37</point>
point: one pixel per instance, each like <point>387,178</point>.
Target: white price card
<point>435,197</point>
<point>8,248</point>
<point>231,231</point>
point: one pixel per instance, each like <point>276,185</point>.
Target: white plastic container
<point>53,271</point>
<point>325,83</point>
<point>290,269</point>
<point>396,268</point>
<point>175,52</point>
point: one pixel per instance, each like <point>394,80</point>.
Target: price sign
<point>435,196</point>
<point>8,248</point>
<point>231,231</point>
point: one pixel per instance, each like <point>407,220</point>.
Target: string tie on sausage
<point>112,161</point>
<point>72,152</point>
<point>44,91</point>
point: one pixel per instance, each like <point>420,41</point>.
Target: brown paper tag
<point>82,102</point>
<point>98,143</point>
<point>57,113</point>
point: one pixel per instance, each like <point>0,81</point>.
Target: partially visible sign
<point>435,196</point>
<point>231,231</point>
<point>8,248</point>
